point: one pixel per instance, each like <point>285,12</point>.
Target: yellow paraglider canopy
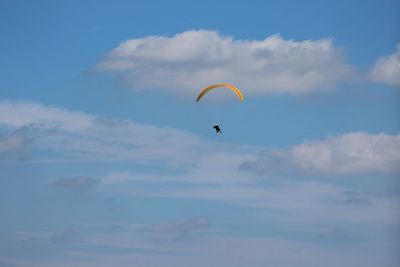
<point>226,85</point>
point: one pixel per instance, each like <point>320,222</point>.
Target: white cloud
<point>345,154</point>
<point>26,113</point>
<point>78,135</point>
<point>387,69</point>
<point>192,59</point>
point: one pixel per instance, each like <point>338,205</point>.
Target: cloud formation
<point>77,135</point>
<point>196,58</point>
<point>83,136</point>
<point>345,154</point>
<point>387,69</point>
<point>210,172</point>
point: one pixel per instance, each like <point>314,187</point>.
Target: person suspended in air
<point>217,129</point>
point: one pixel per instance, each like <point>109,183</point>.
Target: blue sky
<point>106,159</point>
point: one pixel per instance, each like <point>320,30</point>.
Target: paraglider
<point>220,85</point>
<point>226,85</point>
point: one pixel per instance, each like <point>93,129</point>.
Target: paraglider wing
<point>226,85</point>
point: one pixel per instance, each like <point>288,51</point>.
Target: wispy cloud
<point>27,113</point>
<point>345,154</point>
<point>298,205</point>
<point>79,135</point>
<point>190,59</point>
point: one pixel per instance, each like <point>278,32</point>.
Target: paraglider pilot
<point>217,129</point>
